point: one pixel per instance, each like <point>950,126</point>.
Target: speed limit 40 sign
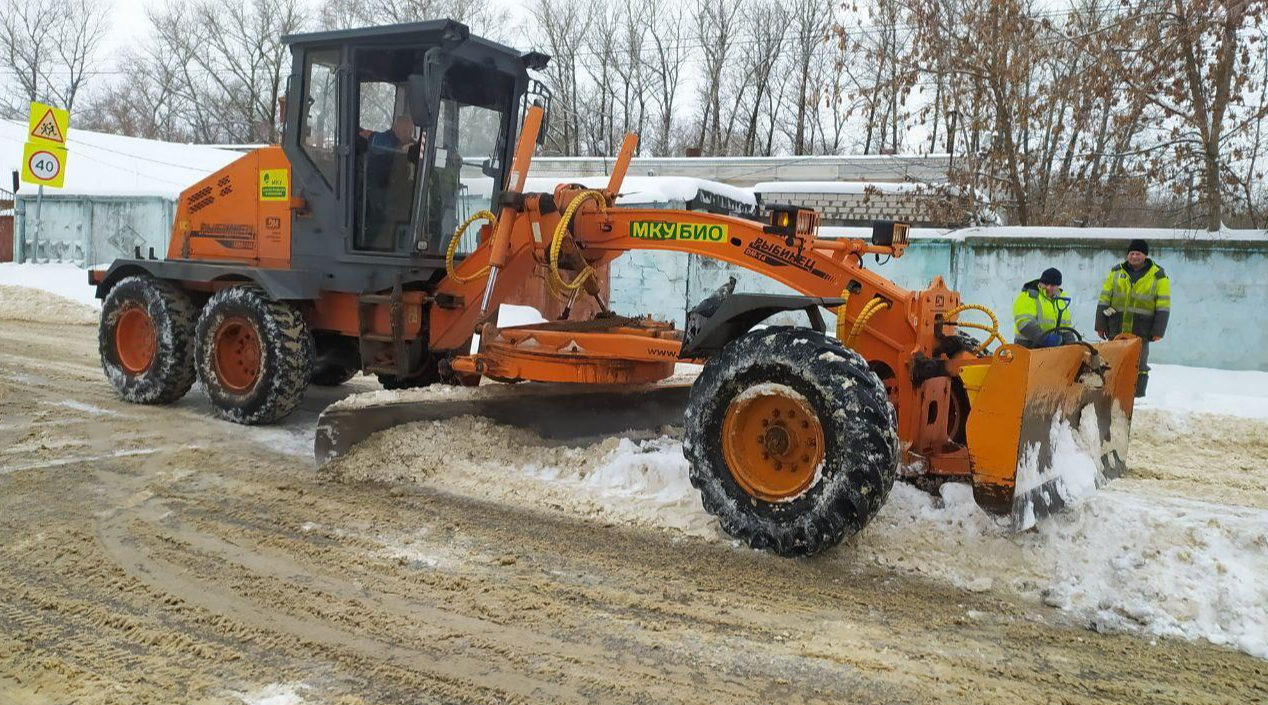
<point>44,165</point>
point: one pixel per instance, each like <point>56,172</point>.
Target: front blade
<point>1050,425</point>
<point>565,412</point>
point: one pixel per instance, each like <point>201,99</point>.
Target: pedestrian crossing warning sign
<point>274,184</point>
<point>48,123</point>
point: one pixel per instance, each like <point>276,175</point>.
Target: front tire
<point>791,440</point>
<point>146,340</point>
<point>254,355</point>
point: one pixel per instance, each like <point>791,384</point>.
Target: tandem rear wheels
<point>254,355</point>
<point>791,440</point>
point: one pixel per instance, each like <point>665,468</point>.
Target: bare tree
<point>143,101</point>
<point>228,74</point>
<point>49,52</point>
<point>558,24</point>
<point>810,22</point>
<point>668,52</point>
<point>1196,69</point>
<point>759,63</point>
<point>715,27</point>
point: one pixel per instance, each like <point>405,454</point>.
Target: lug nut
<point>775,413</point>
<point>779,465</point>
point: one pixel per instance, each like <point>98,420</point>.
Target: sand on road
<point>155,554</point>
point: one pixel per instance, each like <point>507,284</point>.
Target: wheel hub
<point>773,443</point>
<point>237,354</point>
<point>135,342</point>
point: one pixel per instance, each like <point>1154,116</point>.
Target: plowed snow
<point>1178,547</point>
<point>20,303</point>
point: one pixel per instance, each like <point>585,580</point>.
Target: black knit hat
<point>1051,275</point>
<point>1138,245</point>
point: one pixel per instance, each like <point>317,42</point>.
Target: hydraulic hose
<point>992,329</point>
<point>845,294</point>
<point>453,248</point>
<point>871,308</point>
<point>561,288</point>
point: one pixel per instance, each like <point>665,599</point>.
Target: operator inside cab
<point>394,213</point>
<point>391,157</point>
<point>1041,313</point>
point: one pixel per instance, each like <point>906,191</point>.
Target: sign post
<point>44,158</point>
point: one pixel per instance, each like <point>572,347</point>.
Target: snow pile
<point>64,280</point>
<point>1125,559</point>
<point>1171,566</point>
<point>20,303</point>
<point>1179,389</point>
<point>641,482</point>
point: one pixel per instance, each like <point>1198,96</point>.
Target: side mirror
<point>420,104</point>
<point>424,88</point>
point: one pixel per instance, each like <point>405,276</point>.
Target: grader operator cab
<point>343,251</point>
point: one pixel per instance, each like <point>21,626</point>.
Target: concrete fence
<point>1219,288</point>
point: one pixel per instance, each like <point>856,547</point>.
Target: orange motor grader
<point>342,251</point>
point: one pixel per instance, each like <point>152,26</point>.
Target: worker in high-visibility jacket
<point>1136,299</point>
<point>1041,315</point>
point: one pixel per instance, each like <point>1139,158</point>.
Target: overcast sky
<point>129,23</point>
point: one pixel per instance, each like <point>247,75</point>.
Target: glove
<point>1155,338</point>
<point>1050,340</point>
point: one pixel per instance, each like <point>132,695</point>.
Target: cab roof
<point>428,32</point>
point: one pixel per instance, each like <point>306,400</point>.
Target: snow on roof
<point>1036,232</point>
<point>844,187</point>
<point>99,164</point>
<point>634,190</point>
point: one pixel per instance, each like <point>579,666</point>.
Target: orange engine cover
<point>238,214</point>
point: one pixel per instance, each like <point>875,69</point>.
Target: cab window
<point>321,119</point>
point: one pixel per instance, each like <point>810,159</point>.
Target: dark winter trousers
<point>1142,373</point>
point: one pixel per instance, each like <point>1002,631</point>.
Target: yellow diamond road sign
<point>48,123</point>
<point>44,165</point>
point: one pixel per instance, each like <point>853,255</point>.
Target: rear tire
<point>793,483</point>
<point>146,340</point>
<point>254,355</point>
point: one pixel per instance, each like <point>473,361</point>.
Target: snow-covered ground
<point>1183,555</point>
<point>64,280</point>
<point>1178,546</point>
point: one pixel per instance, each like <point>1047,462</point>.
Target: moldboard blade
<point>560,412</point>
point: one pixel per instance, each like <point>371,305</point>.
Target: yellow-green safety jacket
<point>1035,315</point>
<point>1135,301</point>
